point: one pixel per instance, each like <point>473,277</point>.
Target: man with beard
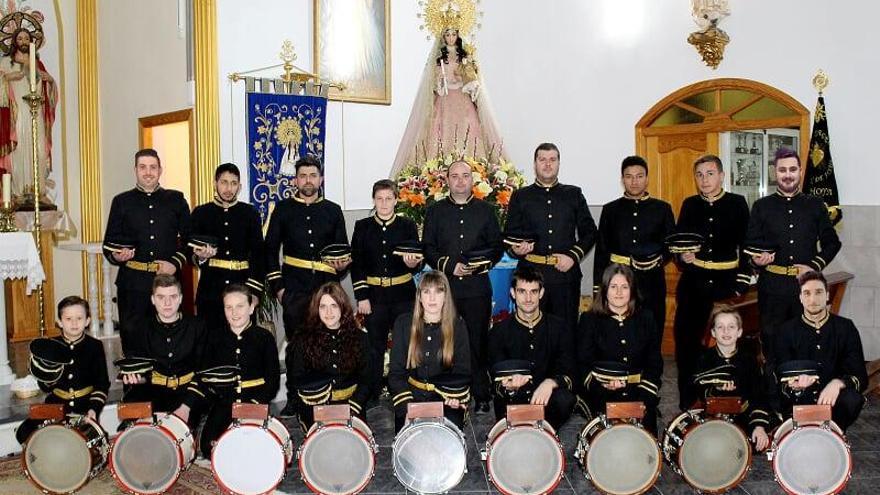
<point>146,231</point>
<point>558,217</point>
<point>227,246</point>
<point>833,343</point>
<point>717,271</point>
<point>542,341</point>
<point>792,224</point>
<point>632,230</point>
<point>456,229</point>
<point>15,123</point>
<point>302,226</point>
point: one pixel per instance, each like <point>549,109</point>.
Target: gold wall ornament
<point>439,15</point>
<point>820,82</point>
<point>207,107</point>
<point>710,44</point>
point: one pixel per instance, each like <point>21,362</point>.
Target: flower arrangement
<point>422,185</point>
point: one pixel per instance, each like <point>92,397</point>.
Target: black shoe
<point>289,411</point>
<point>481,407</point>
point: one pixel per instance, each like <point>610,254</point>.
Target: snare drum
<point>712,455</point>
<point>149,455</point>
<point>252,456</point>
<point>338,457</point>
<point>811,458</point>
<point>524,459</point>
<point>63,457</point>
<point>619,457</point>
<point>429,455</point>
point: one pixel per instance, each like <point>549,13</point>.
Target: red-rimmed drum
<point>62,457</point>
<point>338,457</point>
<point>150,454</point>
<point>252,456</point>
<point>525,458</point>
<point>619,457</point>
<point>812,458</point>
<point>711,454</point>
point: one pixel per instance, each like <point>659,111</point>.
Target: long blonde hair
<point>432,279</point>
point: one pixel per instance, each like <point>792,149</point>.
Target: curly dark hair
<point>459,50</point>
<point>315,339</point>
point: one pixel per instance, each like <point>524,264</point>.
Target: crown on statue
<point>439,15</point>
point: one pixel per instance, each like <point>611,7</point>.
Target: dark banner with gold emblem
<point>819,177</point>
<point>281,129</point>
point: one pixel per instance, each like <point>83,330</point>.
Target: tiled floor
<point>864,438</point>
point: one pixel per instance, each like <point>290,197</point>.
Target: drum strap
<point>256,382</point>
<point>72,394</point>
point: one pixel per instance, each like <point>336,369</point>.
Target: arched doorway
<point>700,119</point>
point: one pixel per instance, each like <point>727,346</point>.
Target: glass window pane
<point>703,101</point>
<point>732,98</point>
<point>765,108</point>
<point>676,116</point>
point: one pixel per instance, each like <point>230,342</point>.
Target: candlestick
<point>7,188</point>
<point>33,66</point>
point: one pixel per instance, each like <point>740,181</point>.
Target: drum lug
<point>484,454</point>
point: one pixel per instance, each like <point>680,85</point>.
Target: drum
<point>619,457</point>
<point>338,457</point>
<point>149,455</point>
<point>712,455</point>
<point>811,459</point>
<point>63,457</point>
<point>252,456</point>
<point>524,459</point>
<point>429,455</point>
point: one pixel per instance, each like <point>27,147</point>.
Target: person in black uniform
<point>429,351</point>
<point>544,342</point>
<point>302,226</point>
<point>176,345</point>
<point>454,228</point>
<point>249,347</point>
<point>82,383</point>
<point>792,222</point>
<point>729,370</point>
<point>632,230</point>
<point>717,271</point>
<point>330,362</point>
<point>146,232</point>
<point>833,342</point>
<point>618,330</point>
<point>383,282</point>
<point>237,257</point>
<point>558,215</point>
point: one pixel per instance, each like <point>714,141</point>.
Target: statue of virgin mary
<point>451,113</point>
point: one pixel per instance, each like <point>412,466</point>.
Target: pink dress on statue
<point>455,114</point>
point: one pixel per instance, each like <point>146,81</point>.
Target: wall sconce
<point>710,40</point>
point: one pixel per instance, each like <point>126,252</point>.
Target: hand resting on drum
<point>829,394</point>
<point>802,382</point>
<point>614,384</point>
<point>133,379</point>
<point>541,396</point>
<point>514,382</point>
<point>727,387</point>
<point>453,403</point>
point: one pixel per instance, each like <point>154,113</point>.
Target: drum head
<point>248,459</point>
<point>812,460</point>
<point>715,456</point>
<point>57,459</point>
<point>336,460</point>
<point>429,457</point>
<point>146,460</point>
<point>525,460</point>
<point>623,459</point>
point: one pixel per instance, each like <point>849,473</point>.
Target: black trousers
<point>294,306</point>
<point>163,399</point>
<point>775,309</point>
<point>379,323</point>
<point>209,307</point>
<point>564,301</point>
<point>651,285</point>
<point>456,416</point>
<point>844,412</point>
<point>556,412</point>
<point>693,307</point>
<point>131,304</point>
<point>28,426</point>
<point>476,313</point>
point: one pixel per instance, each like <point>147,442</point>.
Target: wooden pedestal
<point>22,311</point>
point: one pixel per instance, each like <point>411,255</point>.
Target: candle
<point>7,188</point>
<point>33,66</point>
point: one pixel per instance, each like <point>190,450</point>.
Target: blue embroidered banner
<point>281,128</point>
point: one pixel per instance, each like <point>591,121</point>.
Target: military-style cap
<point>409,247</point>
<point>720,375</point>
<point>336,252</point>
<point>479,260</point>
<point>647,256</point>
<point>220,376</point>
<point>790,370</point>
<point>136,366</point>
<point>202,241</point>
<point>759,247</point>
<point>684,242</point>
<point>315,389</point>
<point>511,367</point>
<point>608,371</point>
<point>50,351</point>
<point>515,237</point>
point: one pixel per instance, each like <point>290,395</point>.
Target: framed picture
<point>352,46</point>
